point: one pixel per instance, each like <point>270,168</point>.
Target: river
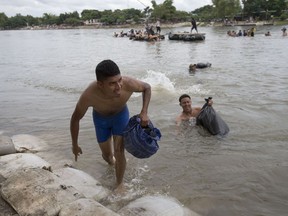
<point>43,72</point>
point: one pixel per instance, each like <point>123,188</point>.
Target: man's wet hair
<point>183,96</point>
<point>106,68</point>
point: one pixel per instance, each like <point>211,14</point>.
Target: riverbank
<point>33,186</point>
<point>163,25</point>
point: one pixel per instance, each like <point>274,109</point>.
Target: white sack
<point>14,162</point>
<point>6,146</point>
<point>83,182</point>
<point>156,206</point>
<point>86,207</point>
<point>28,143</point>
<point>36,192</point>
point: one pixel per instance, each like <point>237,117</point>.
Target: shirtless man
<point>188,114</point>
<point>108,96</point>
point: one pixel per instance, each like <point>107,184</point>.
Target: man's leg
<point>120,164</point>
<point>107,153</point>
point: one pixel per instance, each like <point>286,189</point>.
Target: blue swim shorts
<point>105,126</point>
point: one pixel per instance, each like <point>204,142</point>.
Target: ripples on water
<point>44,72</point>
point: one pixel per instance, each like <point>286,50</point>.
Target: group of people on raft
<point>146,34</point>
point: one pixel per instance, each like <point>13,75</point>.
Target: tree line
<point>166,12</point>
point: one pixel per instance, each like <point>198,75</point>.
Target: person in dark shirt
<point>194,25</point>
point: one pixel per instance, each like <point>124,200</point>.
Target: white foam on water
<point>165,89</point>
<point>159,81</point>
<point>133,186</point>
<point>197,89</point>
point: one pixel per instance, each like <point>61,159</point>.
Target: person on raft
<point>194,25</point>
<point>193,67</point>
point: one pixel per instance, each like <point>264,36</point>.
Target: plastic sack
<point>203,65</point>
<point>210,120</point>
<point>141,142</point>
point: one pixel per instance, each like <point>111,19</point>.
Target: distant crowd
<point>147,33</point>
<point>251,32</point>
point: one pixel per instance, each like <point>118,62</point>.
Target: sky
<point>37,8</point>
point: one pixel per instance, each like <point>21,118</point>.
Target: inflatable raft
<point>186,36</point>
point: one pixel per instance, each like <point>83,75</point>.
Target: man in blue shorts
<point>108,96</point>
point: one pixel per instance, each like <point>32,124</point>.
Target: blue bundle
<point>141,142</point>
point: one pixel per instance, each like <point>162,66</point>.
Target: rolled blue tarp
<point>141,142</point>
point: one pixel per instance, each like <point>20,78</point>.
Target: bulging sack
<point>141,142</point>
<point>211,121</point>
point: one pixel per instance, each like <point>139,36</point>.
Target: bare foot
<point>120,190</point>
<point>110,160</point>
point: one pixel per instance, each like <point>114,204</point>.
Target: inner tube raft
<point>186,36</point>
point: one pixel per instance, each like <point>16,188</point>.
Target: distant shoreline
<point>163,25</point>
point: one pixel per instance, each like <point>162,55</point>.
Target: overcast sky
<point>37,8</point>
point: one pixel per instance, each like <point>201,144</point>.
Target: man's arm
<point>77,115</point>
<point>145,88</point>
<point>146,96</point>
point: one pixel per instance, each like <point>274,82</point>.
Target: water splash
<point>159,81</point>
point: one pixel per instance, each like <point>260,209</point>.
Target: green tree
<point>119,16</point>
<point>72,21</point>
<point>226,8</point>
<point>50,19</point>
<point>90,14</point>
<point>181,16</point>
<point>205,13</point>
<point>17,21</point>
<point>164,11</point>
<point>131,13</point>
<point>260,8</point>
<point>3,21</point>
<point>72,16</point>
<point>31,21</point>
<point>107,17</point>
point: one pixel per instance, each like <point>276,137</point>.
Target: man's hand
<point>144,120</point>
<point>210,102</point>
<point>76,151</point>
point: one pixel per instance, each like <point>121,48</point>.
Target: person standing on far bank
<point>194,25</point>
<point>108,96</point>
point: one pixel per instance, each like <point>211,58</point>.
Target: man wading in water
<point>108,96</point>
<point>188,114</point>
